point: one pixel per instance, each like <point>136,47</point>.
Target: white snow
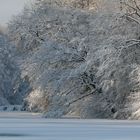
<point>27,126</point>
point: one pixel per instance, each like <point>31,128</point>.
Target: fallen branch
<point>133,19</point>
<point>80,98</point>
<point>132,40</point>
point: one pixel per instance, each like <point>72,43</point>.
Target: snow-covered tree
<point>77,61</point>
<point>132,10</point>
<point>11,85</point>
<point>7,68</point>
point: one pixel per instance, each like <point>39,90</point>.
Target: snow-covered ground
<point>27,126</point>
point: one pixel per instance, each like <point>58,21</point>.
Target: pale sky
<point>9,8</point>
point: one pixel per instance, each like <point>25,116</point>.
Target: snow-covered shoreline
<point>9,108</point>
<point>19,115</point>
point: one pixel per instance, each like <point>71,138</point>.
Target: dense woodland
<point>73,57</point>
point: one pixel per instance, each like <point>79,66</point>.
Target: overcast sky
<point>9,8</point>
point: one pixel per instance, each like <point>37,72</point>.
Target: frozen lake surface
<point>25,126</point>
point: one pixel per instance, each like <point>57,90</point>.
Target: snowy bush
<point>37,101</point>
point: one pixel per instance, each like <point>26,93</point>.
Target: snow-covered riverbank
<point>19,115</point>
<point>27,126</point>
